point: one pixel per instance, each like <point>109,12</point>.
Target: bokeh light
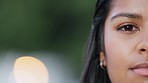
<point>52,31</point>
<point>30,70</point>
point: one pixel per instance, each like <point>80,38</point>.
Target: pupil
<point>128,28</point>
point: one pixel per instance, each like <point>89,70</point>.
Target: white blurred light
<point>17,68</point>
<point>30,70</point>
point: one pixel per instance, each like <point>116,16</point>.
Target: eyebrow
<point>128,15</point>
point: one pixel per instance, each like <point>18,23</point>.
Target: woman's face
<point>126,41</point>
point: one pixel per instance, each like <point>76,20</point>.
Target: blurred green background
<point>57,26</point>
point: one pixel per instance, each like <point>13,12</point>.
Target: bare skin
<point>126,42</point>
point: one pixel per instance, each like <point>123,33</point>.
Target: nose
<point>143,46</point>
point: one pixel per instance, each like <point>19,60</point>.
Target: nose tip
<point>143,48</point>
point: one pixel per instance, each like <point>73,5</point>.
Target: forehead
<point>129,6</point>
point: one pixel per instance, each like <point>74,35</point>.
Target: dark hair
<point>92,72</point>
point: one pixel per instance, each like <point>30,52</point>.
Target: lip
<point>141,69</point>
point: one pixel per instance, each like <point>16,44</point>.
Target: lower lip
<point>141,71</point>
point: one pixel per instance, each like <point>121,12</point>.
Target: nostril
<point>143,50</point>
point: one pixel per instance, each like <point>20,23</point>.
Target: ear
<point>102,58</point>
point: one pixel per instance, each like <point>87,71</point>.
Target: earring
<point>101,65</point>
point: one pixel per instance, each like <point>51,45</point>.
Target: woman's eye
<point>128,28</point>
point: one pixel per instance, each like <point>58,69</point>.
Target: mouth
<point>141,69</point>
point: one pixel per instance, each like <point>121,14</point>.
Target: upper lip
<point>141,65</point>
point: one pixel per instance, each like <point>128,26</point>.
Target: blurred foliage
<point>59,26</point>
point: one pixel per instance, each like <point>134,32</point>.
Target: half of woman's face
<point>126,41</point>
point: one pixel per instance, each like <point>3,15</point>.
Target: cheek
<point>116,52</point>
<point>117,58</point>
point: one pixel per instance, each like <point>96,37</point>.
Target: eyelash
<point>128,28</point>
